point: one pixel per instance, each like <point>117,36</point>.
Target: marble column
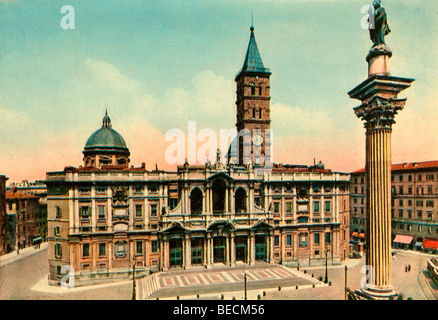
<point>379,106</point>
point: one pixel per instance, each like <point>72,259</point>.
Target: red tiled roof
<point>14,194</point>
<point>408,166</point>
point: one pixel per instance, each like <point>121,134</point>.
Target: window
<point>401,178</point>
<point>138,189</point>
<point>153,210</point>
<point>429,215</point>
<point>400,202</point>
<point>400,213</point>
<point>101,212</point>
<point>57,231</point>
<point>410,214</point>
<point>429,190</point>
<point>276,207</point>
<point>85,250</point>
<point>173,202</point>
<point>316,206</point>
<point>410,178</point>
<point>429,203</point>
<point>58,250</point>
<point>276,241</point>
<point>327,206</point>
<point>288,207</point>
<point>410,190</point>
<point>419,214</point>
<point>58,212</point>
<point>138,210</point>
<point>419,177</point>
<point>102,249</point>
<point>153,189</point>
<point>328,238</point>
<point>154,246</point>
<point>316,238</point>
<point>419,203</point>
<point>85,211</point>
<point>100,190</point>
<point>400,189</point>
<point>139,247</point>
<point>289,240</point>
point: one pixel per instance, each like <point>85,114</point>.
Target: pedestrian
<point>409,268</point>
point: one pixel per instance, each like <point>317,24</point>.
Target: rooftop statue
<point>380,29</point>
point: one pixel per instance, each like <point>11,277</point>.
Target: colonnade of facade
<point>211,247</point>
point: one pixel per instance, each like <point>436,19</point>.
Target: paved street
<point>25,278</point>
<point>19,279</point>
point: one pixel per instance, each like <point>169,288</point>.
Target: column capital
<point>379,112</point>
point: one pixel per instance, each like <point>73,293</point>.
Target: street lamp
<point>133,281</point>
<point>245,286</point>
<point>326,266</point>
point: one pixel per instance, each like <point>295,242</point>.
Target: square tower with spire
<point>253,107</point>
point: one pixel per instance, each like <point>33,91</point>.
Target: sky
<point>156,65</point>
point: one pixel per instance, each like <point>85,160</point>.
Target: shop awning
<point>418,244</point>
<point>403,239</point>
<point>430,244</point>
<point>362,235</point>
<point>354,234</point>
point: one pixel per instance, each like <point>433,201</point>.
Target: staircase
<point>147,286</point>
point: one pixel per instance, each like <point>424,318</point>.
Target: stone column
<point>187,252</point>
<point>379,106</point>
<point>271,247</point>
<point>227,251</point>
<point>233,250</point>
<point>209,249</point>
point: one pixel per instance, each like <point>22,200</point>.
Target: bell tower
<point>253,107</point>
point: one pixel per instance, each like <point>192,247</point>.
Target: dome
<point>106,138</point>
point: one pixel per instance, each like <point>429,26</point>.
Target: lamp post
<point>326,266</point>
<point>133,282</point>
<point>245,286</point>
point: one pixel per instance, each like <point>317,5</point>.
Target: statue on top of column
<point>380,29</point>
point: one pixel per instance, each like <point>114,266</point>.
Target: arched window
<point>196,201</point>
<point>240,200</point>
<point>219,188</point>
<point>252,90</point>
<point>260,113</point>
<point>253,113</point>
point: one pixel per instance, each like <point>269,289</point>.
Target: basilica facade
<point>106,216</point>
